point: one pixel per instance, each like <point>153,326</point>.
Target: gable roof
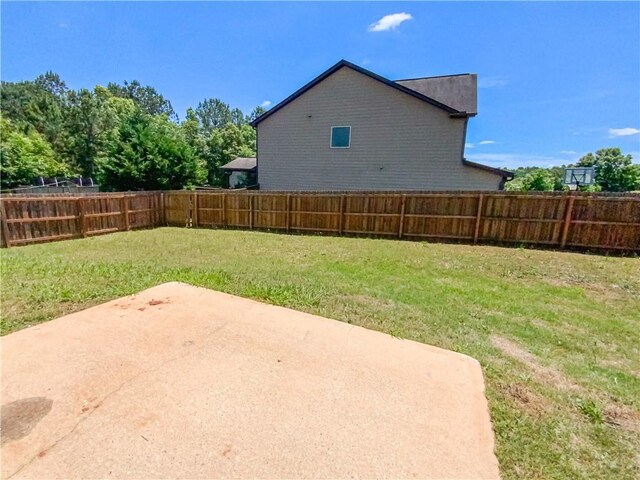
<point>241,164</point>
<point>343,63</point>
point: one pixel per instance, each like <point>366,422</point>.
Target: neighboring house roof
<point>458,91</point>
<point>503,173</point>
<point>343,63</point>
<point>241,164</point>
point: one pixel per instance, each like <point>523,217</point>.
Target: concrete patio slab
<point>179,381</point>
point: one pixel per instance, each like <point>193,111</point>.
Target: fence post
<point>250,211</point>
<point>366,214</point>
<point>403,204</point>
<point>163,214</point>
<point>288,212</point>
<point>476,232</point>
<point>5,227</point>
<point>224,209</point>
<point>341,218</point>
<point>194,210</point>
<point>83,219</point>
<point>568,211</point>
<point>124,206</point>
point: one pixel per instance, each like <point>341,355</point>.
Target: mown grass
<point>557,334</point>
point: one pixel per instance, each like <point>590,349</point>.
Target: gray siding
<point>397,142</point>
<point>457,91</point>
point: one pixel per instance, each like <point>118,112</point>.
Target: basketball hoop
<point>579,176</point>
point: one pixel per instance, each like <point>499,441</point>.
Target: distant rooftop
<point>241,164</point>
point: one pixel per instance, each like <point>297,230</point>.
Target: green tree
<point>213,113</point>
<point>532,179</point>
<point>146,97</point>
<point>226,144</point>
<point>30,106</point>
<point>248,134</point>
<point>237,117</point>
<point>255,113</point>
<point>87,125</point>
<point>614,172</point>
<point>25,157</point>
<point>539,181</point>
<point>191,129</point>
<point>151,153</point>
<point>52,83</point>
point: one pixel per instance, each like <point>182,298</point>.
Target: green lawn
<point>557,334</point>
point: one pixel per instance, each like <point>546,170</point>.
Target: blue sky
<point>556,79</point>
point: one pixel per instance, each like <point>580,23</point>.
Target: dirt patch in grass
<point>613,413</point>
<point>527,399</point>
<point>623,417</point>
<point>543,373</point>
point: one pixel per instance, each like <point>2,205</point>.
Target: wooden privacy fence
<point>598,222</point>
<point>44,219</point>
<point>586,221</point>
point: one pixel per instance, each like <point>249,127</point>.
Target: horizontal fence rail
<point>39,219</point>
<point>584,221</point>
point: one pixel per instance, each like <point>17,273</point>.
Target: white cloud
<point>265,104</point>
<point>469,145</point>
<point>389,22</point>
<point>491,82</point>
<point>622,132</point>
<point>63,25</point>
<point>569,152</point>
<point>486,142</point>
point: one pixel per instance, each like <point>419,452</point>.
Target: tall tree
<point>614,172</point>
<point>30,106</point>
<point>87,127</point>
<point>193,135</point>
<point>255,113</point>
<point>151,153</point>
<point>52,83</point>
<point>146,97</point>
<point>237,117</point>
<point>213,113</point>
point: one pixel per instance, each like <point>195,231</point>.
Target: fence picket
<point>567,220</point>
<point>403,205</point>
<point>598,222</point>
<point>6,239</point>
<point>476,232</point>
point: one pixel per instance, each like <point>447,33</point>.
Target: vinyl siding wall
<point>397,142</point>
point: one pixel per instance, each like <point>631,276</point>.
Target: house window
<point>340,137</point>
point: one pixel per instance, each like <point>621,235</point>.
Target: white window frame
<point>331,135</point>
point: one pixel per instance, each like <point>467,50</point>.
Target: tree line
<point>614,172</point>
<point>125,136</point>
